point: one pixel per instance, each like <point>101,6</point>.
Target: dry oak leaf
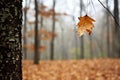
<point>85,24</point>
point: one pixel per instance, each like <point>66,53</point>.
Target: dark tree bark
<point>82,37</point>
<point>53,30</point>
<point>116,32</point>
<point>10,39</point>
<point>36,56</point>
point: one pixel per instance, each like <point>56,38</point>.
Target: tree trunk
<point>108,31</point>
<point>25,26</point>
<point>76,39</point>
<point>10,39</point>
<point>36,56</point>
<point>53,30</point>
<point>41,26</point>
<point>91,47</point>
<point>116,43</point>
<point>82,37</point>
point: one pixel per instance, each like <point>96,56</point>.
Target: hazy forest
<point>59,40</point>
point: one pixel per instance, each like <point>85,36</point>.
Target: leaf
<point>85,24</point>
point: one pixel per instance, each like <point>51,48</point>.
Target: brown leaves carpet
<point>95,69</point>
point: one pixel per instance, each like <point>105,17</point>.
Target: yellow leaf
<point>85,24</point>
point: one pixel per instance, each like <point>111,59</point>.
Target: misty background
<point>67,43</point>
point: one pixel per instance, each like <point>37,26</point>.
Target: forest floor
<point>88,69</point>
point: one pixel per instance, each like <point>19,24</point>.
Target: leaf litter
<point>95,69</point>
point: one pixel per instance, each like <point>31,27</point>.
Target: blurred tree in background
<point>116,30</point>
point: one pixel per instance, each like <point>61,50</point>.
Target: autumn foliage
<point>30,47</point>
<point>45,12</point>
<point>43,35</point>
<point>85,24</point>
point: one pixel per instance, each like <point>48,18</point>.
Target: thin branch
<point>110,13</point>
<point>93,5</point>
